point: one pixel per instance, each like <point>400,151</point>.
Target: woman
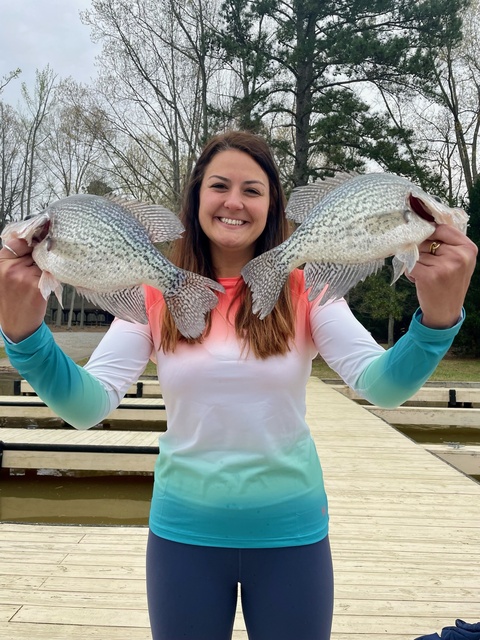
<point>238,493</point>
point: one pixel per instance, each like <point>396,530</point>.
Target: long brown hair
<point>272,335</point>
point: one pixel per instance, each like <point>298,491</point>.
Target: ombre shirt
<point>237,465</point>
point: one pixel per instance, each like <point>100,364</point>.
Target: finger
<point>12,251</point>
<point>15,248</point>
<point>449,235</point>
<point>433,247</point>
<point>442,240</point>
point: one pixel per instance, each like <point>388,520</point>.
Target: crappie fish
<point>349,225</point>
<point>104,247</point>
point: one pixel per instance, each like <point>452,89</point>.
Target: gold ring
<point>5,246</point>
<point>434,246</point>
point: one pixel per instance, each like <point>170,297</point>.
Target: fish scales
<point>80,261</point>
<point>346,233</point>
<point>350,230</point>
<point>105,249</point>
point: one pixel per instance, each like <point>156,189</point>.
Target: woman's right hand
<point>22,306</point>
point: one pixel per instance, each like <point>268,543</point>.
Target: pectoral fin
<point>49,283</point>
<point>404,260</point>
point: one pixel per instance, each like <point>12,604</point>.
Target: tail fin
<point>189,300</point>
<point>265,275</point>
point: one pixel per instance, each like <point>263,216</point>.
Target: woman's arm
<point>388,379</point>
<point>385,378</point>
<point>83,396</point>
<point>396,375</point>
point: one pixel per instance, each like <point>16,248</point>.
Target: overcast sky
<point>34,33</point>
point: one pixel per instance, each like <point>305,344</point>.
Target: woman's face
<point>234,203</point>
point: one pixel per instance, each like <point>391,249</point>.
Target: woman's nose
<point>234,200</point>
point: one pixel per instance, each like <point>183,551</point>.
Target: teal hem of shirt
<point>240,543</point>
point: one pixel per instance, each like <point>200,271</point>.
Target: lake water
<point>74,499</point>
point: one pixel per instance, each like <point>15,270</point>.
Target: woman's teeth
<point>234,223</point>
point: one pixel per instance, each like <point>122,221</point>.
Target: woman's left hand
<point>442,278</point>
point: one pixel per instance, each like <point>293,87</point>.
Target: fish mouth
<point>419,207</point>
<point>41,233</point>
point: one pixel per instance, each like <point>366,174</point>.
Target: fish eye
<point>437,199</point>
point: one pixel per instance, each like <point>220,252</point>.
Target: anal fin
<point>340,278</point>
<point>127,304</point>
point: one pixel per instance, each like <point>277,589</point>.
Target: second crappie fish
<point>104,247</point>
<point>349,225</point>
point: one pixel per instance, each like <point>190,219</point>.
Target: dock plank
<point>435,395</point>
<point>438,416</point>
<point>404,531</point>
<point>129,409</point>
<point>48,631</point>
<point>88,460</point>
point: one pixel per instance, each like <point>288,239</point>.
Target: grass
<point>450,368</point>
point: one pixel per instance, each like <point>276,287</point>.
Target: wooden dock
<point>144,409</point>
<point>454,407</point>
<point>92,450</point>
<point>405,534</point>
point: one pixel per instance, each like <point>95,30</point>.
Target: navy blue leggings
<point>287,592</point>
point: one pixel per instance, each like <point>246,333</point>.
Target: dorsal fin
<point>161,223</point>
<point>303,199</point>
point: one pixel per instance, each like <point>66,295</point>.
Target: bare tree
<point>155,80</point>
<point>11,158</point>
<point>4,80</point>
<point>71,151</point>
<point>33,122</point>
<point>446,114</point>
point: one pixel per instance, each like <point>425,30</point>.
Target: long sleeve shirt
<point>237,465</point>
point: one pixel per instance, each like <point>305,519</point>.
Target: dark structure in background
<point>76,312</point>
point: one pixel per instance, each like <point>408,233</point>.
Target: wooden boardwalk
<point>94,450</point>
<point>129,409</point>
<point>405,534</point>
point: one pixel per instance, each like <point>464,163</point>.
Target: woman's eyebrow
<point>217,177</point>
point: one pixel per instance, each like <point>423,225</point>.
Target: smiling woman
<point>234,204</point>
<point>238,487</point>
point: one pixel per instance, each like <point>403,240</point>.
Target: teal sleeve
<point>70,391</point>
<point>394,376</point>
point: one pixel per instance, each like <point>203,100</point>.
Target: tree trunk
<point>72,304</point>
<point>82,312</point>
<point>391,326</point>
<point>305,45</point>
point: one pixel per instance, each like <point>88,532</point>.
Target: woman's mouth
<point>232,222</point>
